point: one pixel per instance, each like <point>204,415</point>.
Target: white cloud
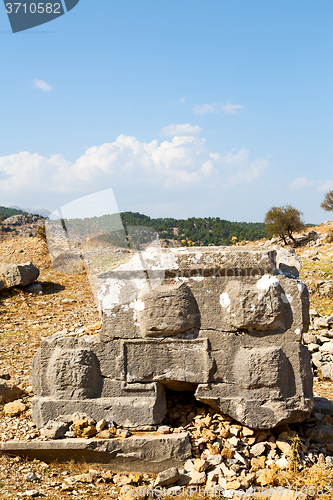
<point>300,183</point>
<point>325,186</point>
<point>42,85</point>
<point>181,100</point>
<point>217,108</point>
<point>180,130</point>
<point>167,170</point>
<point>231,109</point>
<point>303,182</point>
<point>202,109</point>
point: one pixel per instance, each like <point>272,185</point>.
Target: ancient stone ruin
<point>225,323</point>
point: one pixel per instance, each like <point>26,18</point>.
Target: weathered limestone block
<point>169,309</point>
<point>224,323</point>
<point>19,274</point>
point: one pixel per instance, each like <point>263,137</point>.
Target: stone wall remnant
<point>225,323</point>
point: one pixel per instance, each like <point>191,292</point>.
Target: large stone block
<point>19,274</point>
<point>224,323</point>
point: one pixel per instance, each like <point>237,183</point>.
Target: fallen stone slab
<point>138,454</point>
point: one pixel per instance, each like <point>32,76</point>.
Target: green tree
<point>327,203</point>
<point>283,222</point>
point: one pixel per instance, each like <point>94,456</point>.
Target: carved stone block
<point>224,323</point>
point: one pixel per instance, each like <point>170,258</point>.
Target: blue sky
<point>184,108</point>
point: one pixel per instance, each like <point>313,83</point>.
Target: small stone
<point>309,338</point>
<point>233,441</point>
<point>214,449</point>
<point>122,480</point>
<point>123,433</point>
<point>31,494</point>
<point>234,431</point>
<point>94,473</point>
<point>208,435</point>
<point>200,465</point>
<point>81,428</point>
<point>54,429</point>
<point>326,348</point>
<point>329,461</point>
<point>104,434</point>
<point>321,433</point>
<point>233,485</point>
<point>258,449</point>
<point>214,459</point>
<point>225,433</point>
<point>8,391</point>
<point>107,476</point>
<point>189,465</point>
<point>247,432</point>
<point>258,463</point>
<point>66,487</point>
<point>282,463</point>
<point>30,476</point>
<point>320,323</point>
<point>84,478</point>
<point>169,476</point>
<point>164,429</point>
<point>14,409</point>
<point>323,405</point>
<point>227,454</point>
<point>197,477</point>
<point>284,447</point>
<point>240,458</point>
<point>100,425</point>
<point>69,434</point>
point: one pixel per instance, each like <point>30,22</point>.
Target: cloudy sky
<point>184,108</point>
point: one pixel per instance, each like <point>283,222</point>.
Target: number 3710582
<point>33,8</point>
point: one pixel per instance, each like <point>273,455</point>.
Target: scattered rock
<point>8,391</point>
<point>169,476</point>
<point>320,323</point>
<point>284,446</point>
<point>164,429</point>
<point>100,425</point>
<point>122,480</point>
<point>30,477</point>
<point>14,409</point>
<point>84,478</point>
<point>19,274</point>
<point>258,449</point>
<point>323,405</point>
<point>327,370</point>
<point>197,477</point>
<point>83,428</point>
<point>54,429</point>
<point>321,433</point>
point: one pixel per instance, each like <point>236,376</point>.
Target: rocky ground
<point>225,454</point>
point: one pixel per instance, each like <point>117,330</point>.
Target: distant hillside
<point>207,231</point>
<point>8,212</point>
